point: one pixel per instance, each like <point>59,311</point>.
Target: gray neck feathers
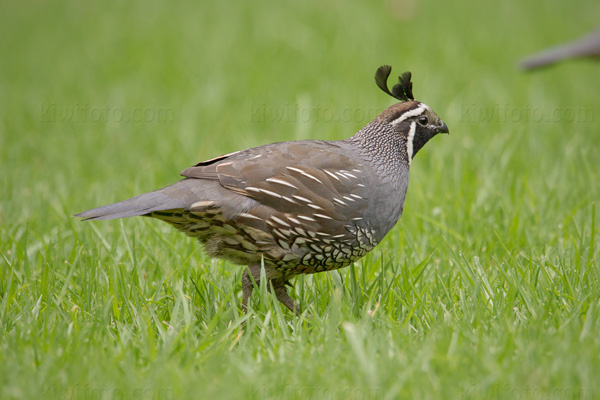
<point>385,149</point>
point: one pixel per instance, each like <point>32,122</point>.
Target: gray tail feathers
<point>587,46</point>
<point>168,198</point>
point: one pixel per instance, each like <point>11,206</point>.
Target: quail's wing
<point>309,184</point>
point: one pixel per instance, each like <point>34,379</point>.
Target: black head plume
<point>402,90</point>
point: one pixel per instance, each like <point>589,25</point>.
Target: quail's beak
<point>442,128</point>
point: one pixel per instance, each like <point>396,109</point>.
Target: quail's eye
<point>423,121</point>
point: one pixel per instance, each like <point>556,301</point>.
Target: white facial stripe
<point>412,113</point>
<point>409,140</point>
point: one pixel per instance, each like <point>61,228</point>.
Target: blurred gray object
<point>584,47</point>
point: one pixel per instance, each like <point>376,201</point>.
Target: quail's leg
<point>282,295</point>
<point>248,284</point>
<point>251,277</point>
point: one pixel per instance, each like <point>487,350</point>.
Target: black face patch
<point>422,135</point>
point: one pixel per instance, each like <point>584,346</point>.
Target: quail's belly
<point>290,246</point>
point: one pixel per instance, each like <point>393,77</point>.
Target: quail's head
<point>413,120</point>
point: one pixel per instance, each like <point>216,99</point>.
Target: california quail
<point>584,47</point>
<point>297,207</point>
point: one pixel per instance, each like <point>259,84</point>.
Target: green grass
<point>489,286</point>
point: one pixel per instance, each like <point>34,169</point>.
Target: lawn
<point>488,287</point>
